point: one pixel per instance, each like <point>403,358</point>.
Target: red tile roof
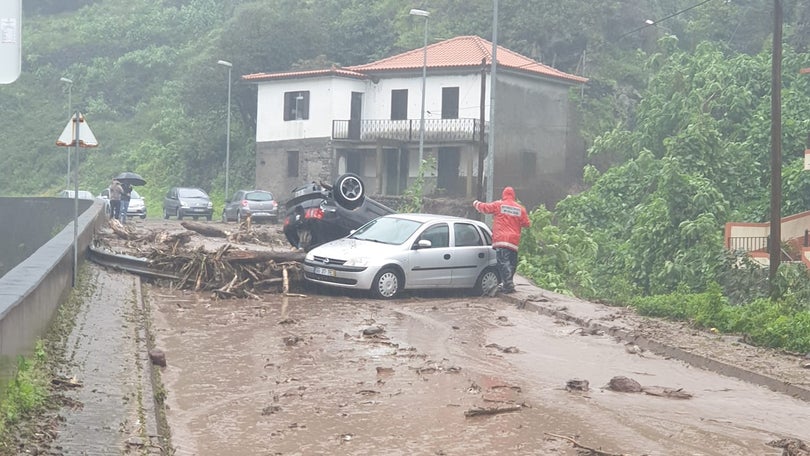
<point>334,71</point>
<point>463,52</point>
<point>460,52</point>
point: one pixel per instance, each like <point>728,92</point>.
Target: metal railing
<point>748,244</point>
<point>407,130</point>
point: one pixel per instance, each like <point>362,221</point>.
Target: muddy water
<point>297,376</point>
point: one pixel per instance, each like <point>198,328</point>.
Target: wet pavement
<point>112,412</point>
<point>298,376</point>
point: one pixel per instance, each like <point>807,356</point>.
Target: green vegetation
<point>25,394</point>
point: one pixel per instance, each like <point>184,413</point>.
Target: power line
<point>651,23</point>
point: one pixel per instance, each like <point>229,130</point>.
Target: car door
<point>170,203</point>
<point>470,255</point>
<point>232,205</point>
<point>431,267</point>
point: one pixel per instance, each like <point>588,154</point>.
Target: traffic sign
<point>10,38</point>
<point>86,137</point>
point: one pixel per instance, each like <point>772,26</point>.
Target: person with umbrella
<point>115,199</point>
<point>126,195</point>
<point>127,180</point>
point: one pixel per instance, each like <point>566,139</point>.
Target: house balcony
<point>753,239</point>
<point>436,130</point>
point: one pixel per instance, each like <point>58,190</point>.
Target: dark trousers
<point>507,264</point>
<point>115,209</point>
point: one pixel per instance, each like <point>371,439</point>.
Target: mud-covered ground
<point>433,374</point>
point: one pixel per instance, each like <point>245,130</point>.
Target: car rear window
<point>191,193</point>
<point>259,196</point>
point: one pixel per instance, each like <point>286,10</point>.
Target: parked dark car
<point>320,213</point>
<point>187,202</point>
<point>258,204</point>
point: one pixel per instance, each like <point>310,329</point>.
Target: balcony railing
<point>407,130</point>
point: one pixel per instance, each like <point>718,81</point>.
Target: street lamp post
<point>425,14</point>
<point>228,128</point>
<point>70,114</point>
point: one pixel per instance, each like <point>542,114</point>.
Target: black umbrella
<point>130,178</point>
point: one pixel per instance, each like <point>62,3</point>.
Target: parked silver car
<point>258,204</point>
<point>187,202</point>
<point>407,251</point>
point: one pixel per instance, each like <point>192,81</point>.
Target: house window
<point>296,105</point>
<point>354,162</point>
<point>399,104</point>
<point>449,102</point>
<point>528,168</point>
<point>292,163</point>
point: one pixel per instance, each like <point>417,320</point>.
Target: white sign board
<point>807,159</point>
<point>10,37</point>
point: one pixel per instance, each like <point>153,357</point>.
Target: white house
<point>365,119</point>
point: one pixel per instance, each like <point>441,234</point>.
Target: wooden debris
<point>71,382</point>
<point>478,411</point>
<point>662,391</point>
<point>587,451</point>
<point>205,229</point>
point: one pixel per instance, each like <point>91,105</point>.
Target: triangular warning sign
<point>86,137</point>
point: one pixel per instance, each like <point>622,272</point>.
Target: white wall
<point>330,99</point>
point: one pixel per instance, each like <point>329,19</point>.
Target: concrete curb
<point>524,300</point>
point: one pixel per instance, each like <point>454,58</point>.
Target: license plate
<point>325,271</point>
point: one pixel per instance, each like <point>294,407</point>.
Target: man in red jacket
<point>510,217</point>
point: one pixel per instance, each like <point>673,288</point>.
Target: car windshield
<point>259,196</point>
<point>387,230</point>
<point>191,193</point>
<point>134,195</point>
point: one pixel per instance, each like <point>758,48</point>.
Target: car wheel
<point>387,283</point>
<point>487,282</point>
<point>209,217</point>
<point>224,217</point>
<point>165,214</point>
<point>238,217</point>
<point>179,214</point>
<point>349,191</point>
<point>143,216</point>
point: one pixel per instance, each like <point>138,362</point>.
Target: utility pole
<point>775,247</point>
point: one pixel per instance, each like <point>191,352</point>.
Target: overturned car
<point>319,213</point>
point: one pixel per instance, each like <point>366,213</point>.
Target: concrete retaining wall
<point>31,292</point>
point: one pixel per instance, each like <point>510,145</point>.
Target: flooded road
<point>344,375</point>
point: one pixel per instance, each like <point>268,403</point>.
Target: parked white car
<point>406,252</point>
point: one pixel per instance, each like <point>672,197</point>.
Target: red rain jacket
<point>509,218</point>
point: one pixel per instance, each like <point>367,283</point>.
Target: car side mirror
<point>423,244</point>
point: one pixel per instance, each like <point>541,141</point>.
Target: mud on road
<point>347,375</point>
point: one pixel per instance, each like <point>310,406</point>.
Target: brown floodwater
<point>298,376</point>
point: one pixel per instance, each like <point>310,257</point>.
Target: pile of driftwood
<point>218,266</point>
<point>229,272</point>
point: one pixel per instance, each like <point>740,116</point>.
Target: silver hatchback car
<point>406,252</point>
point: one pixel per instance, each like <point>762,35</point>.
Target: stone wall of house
<point>537,148</point>
<point>315,163</point>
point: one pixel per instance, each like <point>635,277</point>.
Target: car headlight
<point>183,204</point>
<point>361,262</point>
